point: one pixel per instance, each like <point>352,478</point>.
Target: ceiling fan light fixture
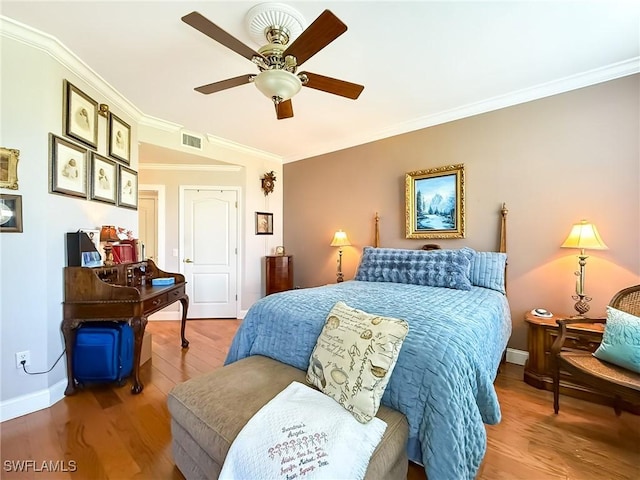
<point>278,84</point>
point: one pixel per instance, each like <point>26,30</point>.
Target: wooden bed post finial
<point>376,239</point>
<point>503,229</point>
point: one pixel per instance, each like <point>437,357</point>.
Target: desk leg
<point>138,324</point>
<point>69,333</point>
<point>185,307</point>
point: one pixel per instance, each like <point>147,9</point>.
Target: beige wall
<point>553,161</point>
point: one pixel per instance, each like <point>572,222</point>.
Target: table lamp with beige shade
<point>340,240</point>
<point>584,236</point>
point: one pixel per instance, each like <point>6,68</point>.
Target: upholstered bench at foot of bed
<point>208,412</point>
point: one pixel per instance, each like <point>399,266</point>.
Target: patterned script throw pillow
<point>354,357</point>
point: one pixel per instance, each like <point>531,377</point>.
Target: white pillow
<point>354,357</point>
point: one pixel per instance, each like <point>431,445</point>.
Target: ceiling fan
<point>277,60</point>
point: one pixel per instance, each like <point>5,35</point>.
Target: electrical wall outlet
<point>23,356</point>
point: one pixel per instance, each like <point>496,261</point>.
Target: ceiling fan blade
<point>333,85</point>
<point>284,109</point>
<point>224,84</point>
<point>324,30</point>
<point>210,29</point>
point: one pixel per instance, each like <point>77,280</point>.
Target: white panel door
<point>210,222</point>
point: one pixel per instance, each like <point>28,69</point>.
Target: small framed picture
<point>10,213</point>
<point>68,167</point>
<point>80,115</point>
<point>127,188</point>
<point>104,176</point>
<point>119,139</point>
<point>264,223</point>
<point>9,168</point>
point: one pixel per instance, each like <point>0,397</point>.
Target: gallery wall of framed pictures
<point>76,168</point>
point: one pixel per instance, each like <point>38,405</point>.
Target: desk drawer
<point>176,294</point>
<point>155,303</point>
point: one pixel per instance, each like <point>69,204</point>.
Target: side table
<point>538,368</point>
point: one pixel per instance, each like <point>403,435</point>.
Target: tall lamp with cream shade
<point>584,236</point>
<point>340,240</point>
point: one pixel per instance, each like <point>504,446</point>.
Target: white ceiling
<point>421,62</point>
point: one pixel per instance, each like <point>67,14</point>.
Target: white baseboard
<point>519,357</point>
<point>163,316</point>
<point>25,404</point>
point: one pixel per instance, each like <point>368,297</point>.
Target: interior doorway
<point>209,250</point>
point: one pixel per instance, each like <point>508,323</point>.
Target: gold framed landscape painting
<point>80,115</point>
<point>9,168</point>
<point>435,202</point>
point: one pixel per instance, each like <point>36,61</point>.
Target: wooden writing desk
<point>119,293</point>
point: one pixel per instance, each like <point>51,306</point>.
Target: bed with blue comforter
<point>443,379</point>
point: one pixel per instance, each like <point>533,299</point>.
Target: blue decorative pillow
<point>434,268</point>
<point>621,340</point>
<point>487,269</point>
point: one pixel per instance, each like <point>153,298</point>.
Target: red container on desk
<point>123,253</point>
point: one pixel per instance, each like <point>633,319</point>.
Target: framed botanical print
<point>127,188</point>
<point>80,115</point>
<point>104,176</point>
<point>68,167</point>
<point>119,139</point>
<point>10,213</point>
<point>9,168</point>
<point>435,202</point>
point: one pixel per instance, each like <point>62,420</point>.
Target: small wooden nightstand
<point>279,273</point>
<point>538,369</point>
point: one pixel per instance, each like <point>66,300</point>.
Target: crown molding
<point>239,147</point>
<point>159,124</point>
<point>27,35</point>
<point>192,167</point>
<point>563,85</point>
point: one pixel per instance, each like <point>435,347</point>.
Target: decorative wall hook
<point>103,110</point>
<point>268,182</point>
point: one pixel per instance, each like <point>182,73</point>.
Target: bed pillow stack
<point>433,268</point>
<point>354,357</point>
<point>487,269</point>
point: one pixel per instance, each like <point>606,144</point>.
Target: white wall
<point>31,279</point>
<point>34,66</point>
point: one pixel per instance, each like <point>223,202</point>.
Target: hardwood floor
<point>105,432</point>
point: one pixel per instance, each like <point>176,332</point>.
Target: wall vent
<point>191,141</point>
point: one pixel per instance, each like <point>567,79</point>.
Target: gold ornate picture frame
<point>9,158</point>
<point>80,115</point>
<point>119,139</point>
<point>435,202</point>
<point>10,213</point>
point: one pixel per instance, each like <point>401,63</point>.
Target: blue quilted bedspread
<point>443,380</point>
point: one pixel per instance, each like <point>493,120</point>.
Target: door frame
<point>161,221</point>
<point>239,242</point>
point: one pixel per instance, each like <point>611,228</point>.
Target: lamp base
<point>108,256</point>
<point>581,305</point>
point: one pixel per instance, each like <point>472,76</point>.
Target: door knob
<point>187,260</point>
